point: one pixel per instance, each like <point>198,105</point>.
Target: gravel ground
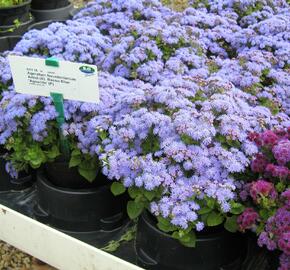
<point>13,259</point>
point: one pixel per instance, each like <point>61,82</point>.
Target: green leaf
<point>149,195</point>
<point>90,175</point>
<point>151,144</point>
<point>53,153</point>
<point>188,140</point>
<point>134,209</point>
<point>165,225</point>
<point>210,202</point>
<point>134,192</point>
<point>103,135</point>
<point>264,214</point>
<point>75,161</point>
<point>204,218</point>
<point>76,152</point>
<point>231,224</point>
<point>117,188</point>
<point>237,208</point>
<point>214,219</point>
<point>188,240</point>
<point>220,138</point>
<point>204,210</point>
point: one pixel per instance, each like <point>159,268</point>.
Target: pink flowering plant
<point>268,196</point>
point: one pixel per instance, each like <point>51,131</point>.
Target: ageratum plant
<point>216,45</point>
<point>176,149</point>
<point>176,134</point>
<point>28,129</point>
<point>30,134</point>
<point>267,194</point>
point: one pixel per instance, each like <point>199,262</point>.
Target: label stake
<point>58,103</point>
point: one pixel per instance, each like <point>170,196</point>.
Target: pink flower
<point>259,163</point>
<point>255,137</point>
<point>269,138</point>
<point>277,171</point>
<point>284,262</point>
<point>262,188</point>
<point>281,152</point>
<point>286,196</point>
<point>284,243</point>
<point>247,219</point>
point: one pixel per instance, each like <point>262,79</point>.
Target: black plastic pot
<point>62,13</point>
<point>20,12</point>
<point>19,31</point>
<point>48,4</point>
<point>214,250</point>
<point>8,43</point>
<point>9,184</point>
<point>259,258</point>
<point>60,175</point>
<point>82,210</point>
<point>41,25</point>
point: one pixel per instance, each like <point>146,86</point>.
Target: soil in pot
<point>48,4</point>
<point>17,12</point>
<point>8,43</point>
<point>215,249</point>
<point>79,210</point>
<point>7,183</point>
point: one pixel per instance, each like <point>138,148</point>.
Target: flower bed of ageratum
<point>193,121</point>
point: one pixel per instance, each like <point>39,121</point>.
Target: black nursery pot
<point>48,4</point>
<point>19,31</point>
<point>214,250</point>
<point>9,184</point>
<point>8,43</point>
<point>60,175</point>
<point>44,10</point>
<point>78,210</point>
<point>19,12</point>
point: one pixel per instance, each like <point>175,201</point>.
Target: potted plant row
<point>71,193</point>
<point>177,138</point>
<point>15,17</point>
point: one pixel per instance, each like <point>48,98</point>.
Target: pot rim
<point>22,24</point>
<point>51,10</point>
<point>27,2</point>
<point>204,237</point>
<point>44,181</point>
<point>11,37</point>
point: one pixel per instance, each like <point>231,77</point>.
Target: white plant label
<point>73,80</point>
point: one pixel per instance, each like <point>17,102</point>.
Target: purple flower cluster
<point>269,195</point>
<point>277,232</point>
<point>186,89</point>
<point>76,41</point>
<point>247,220</point>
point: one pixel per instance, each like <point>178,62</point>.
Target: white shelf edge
<point>54,247</point>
